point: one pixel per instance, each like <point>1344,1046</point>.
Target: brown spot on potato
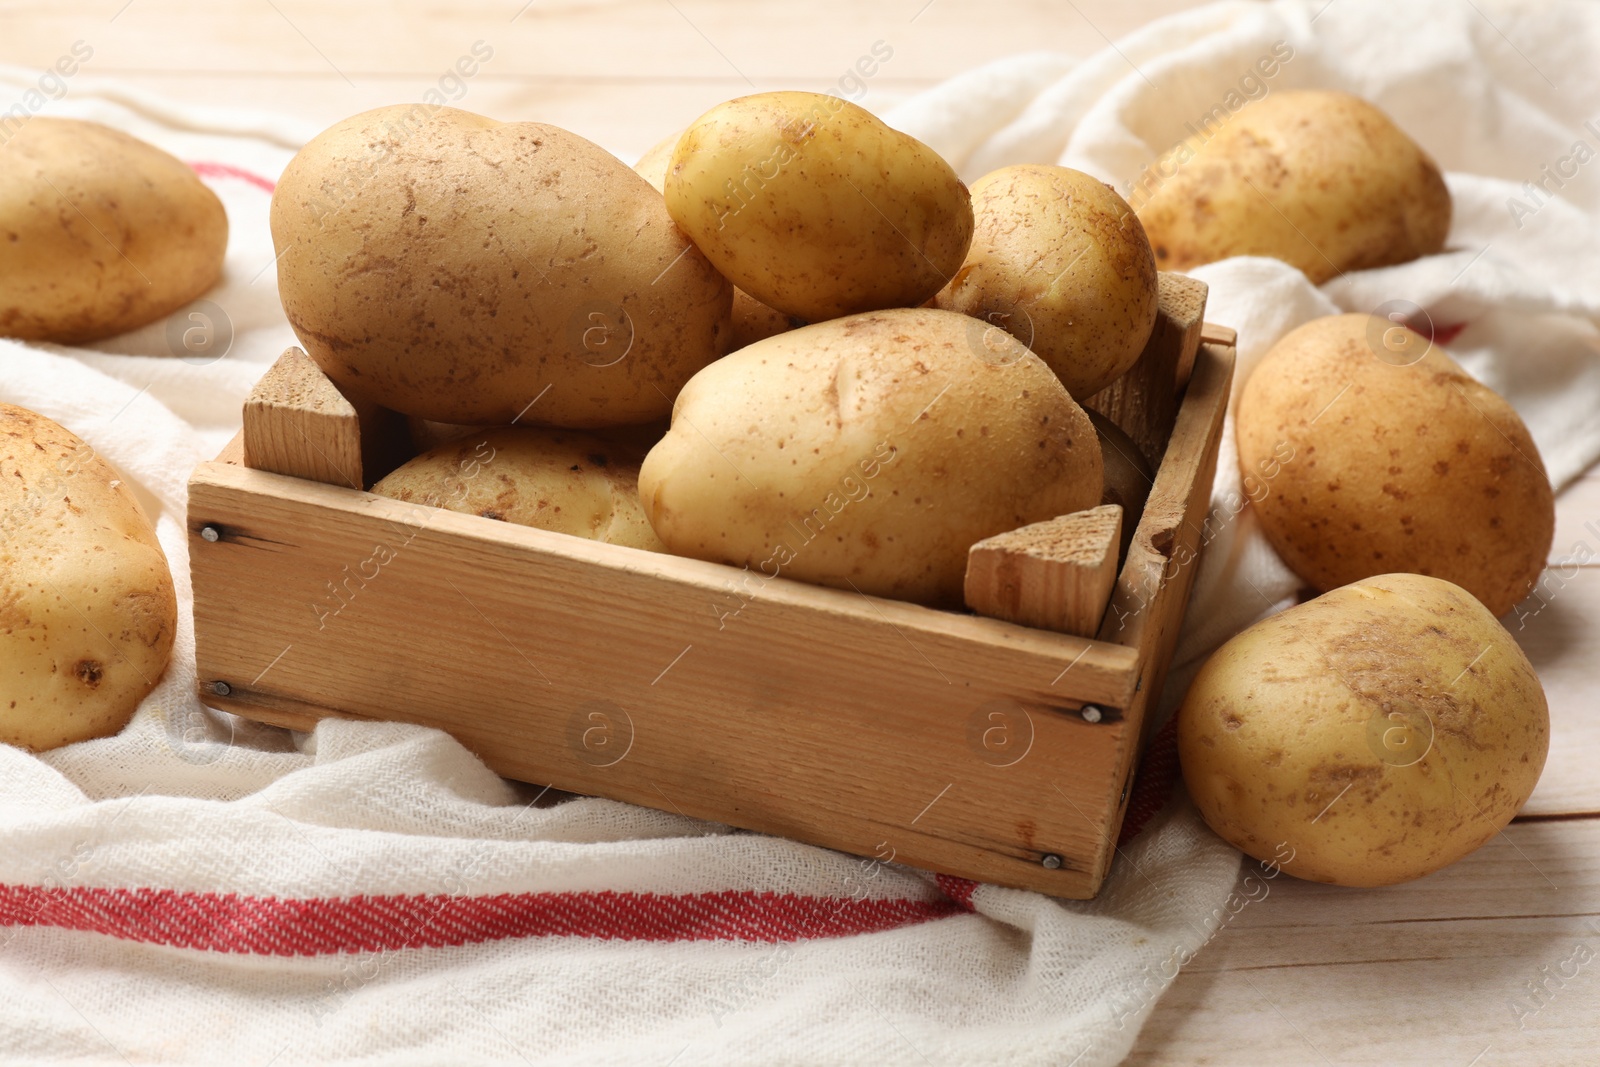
<point>89,672</point>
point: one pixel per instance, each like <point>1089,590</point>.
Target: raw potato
<point>426,435</point>
<point>752,320</point>
<point>652,166</point>
<point>1372,735</point>
<point>1378,453</point>
<point>814,207</point>
<point>869,452</point>
<point>465,270</point>
<point>87,609</point>
<point>1323,181</point>
<point>653,163</point>
<point>565,481</point>
<point>1060,261</point>
<point>102,233</point>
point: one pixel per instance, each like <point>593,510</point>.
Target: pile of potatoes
<point>867,367</point>
<point>1391,725</point>
<point>793,340</point>
<point>815,301</point>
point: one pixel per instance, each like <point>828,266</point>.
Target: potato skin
<point>869,452</point>
<point>815,208</point>
<point>1060,261</point>
<point>103,232</point>
<point>455,268</point>
<point>1373,467</point>
<point>652,166</point>
<point>561,480</point>
<point>752,320</point>
<point>87,608</point>
<point>1321,180</point>
<point>1376,733</point>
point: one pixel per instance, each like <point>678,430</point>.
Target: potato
<point>565,481</point>
<point>817,209</point>
<point>1060,261</point>
<point>1128,477</point>
<point>752,320</point>
<point>87,608</point>
<point>1321,180</point>
<point>465,270</point>
<point>426,434</point>
<point>1367,737</point>
<point>869,452</point>
<point>1378,453</point>
<point>652,166</point>
<point>104,233</point>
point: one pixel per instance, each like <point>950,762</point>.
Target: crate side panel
<point>864,729</point>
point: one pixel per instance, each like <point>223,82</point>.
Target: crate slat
<point>1144,401</point>
<point>1053,575</point>
<point>792,709</point>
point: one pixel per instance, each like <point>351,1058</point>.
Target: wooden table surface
<point>1492,961</point>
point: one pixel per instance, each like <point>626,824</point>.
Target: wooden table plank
<point>1558,634</point>
<point>623,74</point>
<point>1496,957</point>
<point>1577,538</point>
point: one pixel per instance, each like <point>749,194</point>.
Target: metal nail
<point>210,533</point>
<point>1051,861</point>
<point>222,689</point>
<point>1091,713</point>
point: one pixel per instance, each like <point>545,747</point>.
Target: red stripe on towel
<point>268,926</point>
<point>228,170</point>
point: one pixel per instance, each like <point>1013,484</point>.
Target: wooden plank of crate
<point>1166,541</point>
<point>1144,401</point>
<point>861,724</point>
<point>1146,609</point>
<point>298,422</point>
<point>1152,590</point>
<point>233,451</point>
<point>1053,575</point>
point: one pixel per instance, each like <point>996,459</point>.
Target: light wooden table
<point>1493,961</point>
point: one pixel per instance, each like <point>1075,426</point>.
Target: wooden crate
<point>944,740</point>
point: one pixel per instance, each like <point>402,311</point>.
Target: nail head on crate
<point>1051,861</point>
<point>222,689</point>
<point>1091,713</point>
<point>209,533</point>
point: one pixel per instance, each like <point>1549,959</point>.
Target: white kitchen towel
<point>199,889</point>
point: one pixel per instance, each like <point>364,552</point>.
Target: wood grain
<point>623,73</point>
<point>1144,401</point>
<point>1476,964</point>
<point>299,423</point>
<point>296,422</point>
<point>1557,630</point>
<point>1577,533</point>
<point>787,708</point>
<point>1054,575</point>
